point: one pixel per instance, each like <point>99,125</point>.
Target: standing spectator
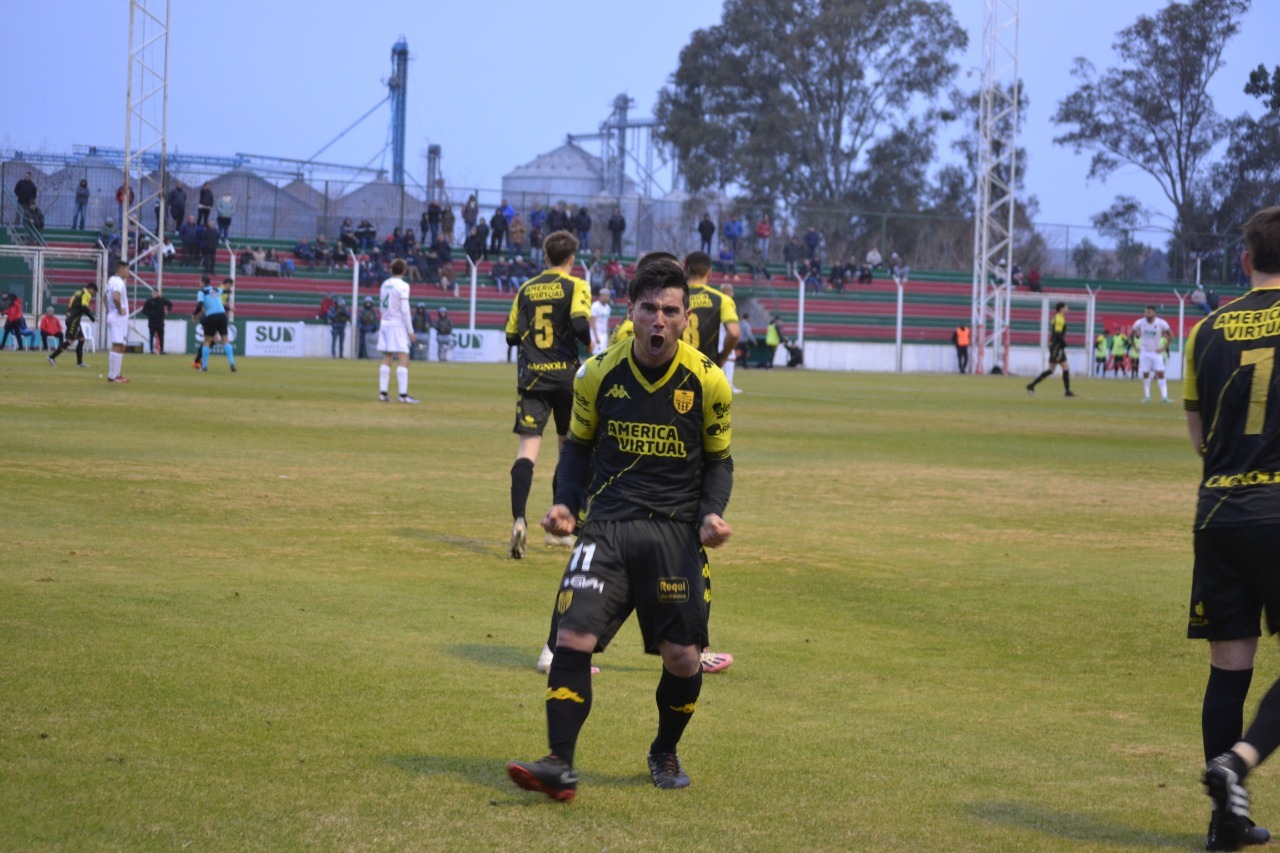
<point>433,215</point>
<point>326,305</point>
<point>475,245</point>
<point>205,205</point>
<point>1033,280</point>
<point>791,253</point>
<point>558,219</point>
<point>812,240</point>
<point>497,231</point>
<point>960,337</point>
<point>177,201</point>
<point>517,232</point>
<point>1212,298</point>
<point>444,334</point>
<point>155,309</point>
<point>421,332</point>
<point>447,221</point>
<point>13,322</point>
<point>82,204</point>
<point>764,232</point>
<point>582,225</point>
<point>482,231</point>
<point>443,256</point>
<point>209,248</point>
<point>707,232</point>
<point>538,216</point>
<point>535,246</point>
<point>25,191</point>
<point>339,316</point>
<point>366,325</point>
<point>50,327</point>
<point>347,235</point>
<point>470,213</point>
<point>123,191</point>
<point>734,231</point>
<point>224,210</point>
<point>507,210</point>
<point>617,225</point>
<point>79,307</point>
<point>613,275</point>
<point>366,235</point>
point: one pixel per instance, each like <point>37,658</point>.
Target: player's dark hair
<point>650,257</point>
<point>399,266</point>
<point>1059,306</point>
<point>559,247</point>
<point>1262,238</point>
<point>659,274</point>
<point>1151,307</point>
<point>697,264</point>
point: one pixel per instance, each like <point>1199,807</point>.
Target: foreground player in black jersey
<point>1231,394</point>
<point>647,461</point>
<point>549,316</point>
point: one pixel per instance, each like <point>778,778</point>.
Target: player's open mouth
<point>656,343</point>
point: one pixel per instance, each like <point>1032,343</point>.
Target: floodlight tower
<point>398,85</point>
<point>996,180</point>
<point>145,121</point>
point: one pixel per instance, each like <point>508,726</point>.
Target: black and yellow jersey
<point>709,309</point>
<point>622,331</point>
<point>1058,329</point>
<point>541,316</point>
<point>650,439</point>
<point>1230,378</point>
<point>81,305</point>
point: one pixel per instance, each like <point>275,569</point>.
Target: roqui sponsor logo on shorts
<point>673,590</point>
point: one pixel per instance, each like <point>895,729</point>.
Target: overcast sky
<point>495,83</point>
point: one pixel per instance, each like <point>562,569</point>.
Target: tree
<point>1119,222</point>
<point>1154,110</point>
<point>789,99</point>
<point>1249,175</point>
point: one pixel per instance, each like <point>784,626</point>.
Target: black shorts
<point>74,332</point>
<point>215,324</point>
<point>656,567</point>
<point>1057,353</point>
<point>534,407</point>
<point>1236,576</point>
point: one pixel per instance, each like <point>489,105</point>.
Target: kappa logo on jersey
<point>673,590</point>
<point>564,693</point>
<point>619,392</point>
<point>683,401</point>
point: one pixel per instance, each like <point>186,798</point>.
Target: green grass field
<point>263,611</point>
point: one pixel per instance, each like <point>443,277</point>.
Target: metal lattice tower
<point>398,86</point>
<point>996,181</point>
<point>146,122</point>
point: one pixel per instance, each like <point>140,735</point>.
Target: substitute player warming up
<point>395,332</point>
<point>1230,384</point>
<point>647,463</point>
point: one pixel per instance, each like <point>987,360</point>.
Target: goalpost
<point>1046,301</point>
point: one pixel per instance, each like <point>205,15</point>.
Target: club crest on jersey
<point>683,401</point>
<point>563,600</point>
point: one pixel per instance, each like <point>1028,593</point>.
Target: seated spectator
<point>595,277</point>
<point>339,257</point>
<point>1017,278</point>
<point>247,261</point>
<point>393,246</point>
<point>320,248</point>
<point>865,275</point>
<point>901,271</point>
<point>792,253</point>
<point>837,277</point>
<point>500,273</point>
<point>1033,280</point>
<point>443,254</point>
<point>726,264</point>
<point>522,270</point>
<point>813,275</point>
<point>535,246</point>
<point>475,246</point>
<point>347,236</point>
<point>412,273</point>
<point>410,243</point>
<point>874,259</point>
<point>302,251</point>
<point>613,275</point>
<point>50,327</point>
<point>795,353</point>
<point>759,266</point>
<point>366,235</point>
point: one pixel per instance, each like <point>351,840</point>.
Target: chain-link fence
<point>290,208</point>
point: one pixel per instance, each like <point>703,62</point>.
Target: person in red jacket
<point>764,231</point>
<point>13,321</point>
<point>50,327</point>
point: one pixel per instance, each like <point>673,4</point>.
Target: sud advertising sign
<point>477,346</point>
<point>281,340</point>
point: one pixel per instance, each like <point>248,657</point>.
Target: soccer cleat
<point>118,379</point>
<point>1069,394</point>
<point>666,771</point>
<point>405,398</point>
<point>1230,825</point>
<point>519,533</point>
<point>716,661</point>
<point>52,363</point>
<point>383,398</point>
<point>1165,400</point>
<point>1216,840</point>
<point>1031,389</point>
<point>82,364</point>
<point>553,541</point>
<point>1146,400</point>
<point>735,390</point>
<point>544,660</point>
<point>549,776</point>
<point>233,368</point>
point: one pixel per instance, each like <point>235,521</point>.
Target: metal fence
<point>294,209</point>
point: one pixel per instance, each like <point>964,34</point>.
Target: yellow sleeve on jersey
<point>581,305</point>
<point>717,402</point>
<point>623,330</point>
<point>728,309</point>
<point>1190,393</point>
<point>513,318</point>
